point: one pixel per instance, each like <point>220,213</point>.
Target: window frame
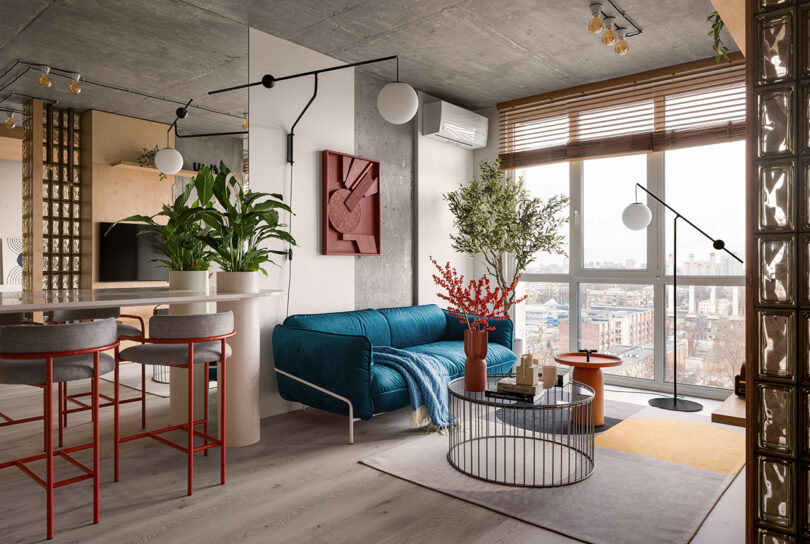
<point>654,274</point>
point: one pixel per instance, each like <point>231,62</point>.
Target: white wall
<point>440,168</point>
<point>10,211</point>
<point>319,283</point>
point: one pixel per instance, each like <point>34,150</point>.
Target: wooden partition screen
<point>778,270</point>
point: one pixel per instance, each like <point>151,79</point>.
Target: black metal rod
<point>233,133</point>
<point>626,18</point>
<point>678,214</point>
<point>674,310</point>
<point>291,135</point>
<point>309,73</point>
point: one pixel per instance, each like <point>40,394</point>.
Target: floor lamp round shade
<point>636,216</point>
<point>397,103</point>
<point>169,161</point>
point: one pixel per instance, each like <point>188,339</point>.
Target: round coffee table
<point>547,443</point>
<point>588,370</point>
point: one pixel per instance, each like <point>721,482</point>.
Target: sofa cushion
<point>415,325</point>
<point>368,323</point>
<point>499,359</point>
<point>388,388</point>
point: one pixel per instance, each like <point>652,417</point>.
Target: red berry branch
<point>477,303</point>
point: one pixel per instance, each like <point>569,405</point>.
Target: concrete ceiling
<point>480,52</point>
<point>163,48</point>
<point>472,52</point>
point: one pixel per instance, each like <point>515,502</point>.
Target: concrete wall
<point>319,283</point>
<point>441,167</point>
<point>211,150</point>
<point>386,280</point>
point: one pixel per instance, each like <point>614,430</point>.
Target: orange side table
<point>589,372</point>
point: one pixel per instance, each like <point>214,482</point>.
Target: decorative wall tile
<point>775,119</point>
<point>775,491</point>
<point>775,43</point>
<point>775,422</point>
<point>776,337</point>
<point>776,256</point>
<point>776,193</point>
<point>770,4</point>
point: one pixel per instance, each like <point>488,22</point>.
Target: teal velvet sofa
<point>326,360</point>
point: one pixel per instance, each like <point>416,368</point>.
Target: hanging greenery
<point>717,25</point>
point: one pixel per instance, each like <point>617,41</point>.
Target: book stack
<point>509,389</point>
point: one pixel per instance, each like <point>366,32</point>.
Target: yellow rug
<point>684,442</point>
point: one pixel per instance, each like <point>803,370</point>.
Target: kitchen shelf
<point>130,165</point>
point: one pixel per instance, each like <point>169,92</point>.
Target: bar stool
<point>58,353</point>
<point>6,420</point>
<point>183,341</point>
<point>125,332</point>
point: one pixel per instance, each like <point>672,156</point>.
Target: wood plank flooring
<point>301,484</point>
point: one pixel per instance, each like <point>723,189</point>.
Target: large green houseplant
<point>239,221</point>
<point>496,218</point>
<point>180,229</point>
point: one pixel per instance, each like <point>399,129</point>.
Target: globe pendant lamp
<point>397,103</point>
<point>169,161</point>
<point>636,216</point>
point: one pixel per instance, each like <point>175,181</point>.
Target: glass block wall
<point>780,393</point>
<point>61,208</point>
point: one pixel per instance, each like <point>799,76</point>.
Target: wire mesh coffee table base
<point>546,444</point>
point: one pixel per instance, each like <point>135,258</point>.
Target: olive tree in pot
<point>503,227</point>
<point>239,223</point>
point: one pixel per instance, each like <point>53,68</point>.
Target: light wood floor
<point>301,484</point>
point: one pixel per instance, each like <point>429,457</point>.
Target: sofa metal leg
<point>331,394</point>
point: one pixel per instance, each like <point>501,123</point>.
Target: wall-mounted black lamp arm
<point>269,81</point>
<point>182,113</point>
<point>291,135</point>
<point>679,216</point>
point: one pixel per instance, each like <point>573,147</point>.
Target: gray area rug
<point>629,499</point>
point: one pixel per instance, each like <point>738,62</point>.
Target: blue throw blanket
<point>427,379</point>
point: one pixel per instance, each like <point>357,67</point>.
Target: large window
<point>613,291</point>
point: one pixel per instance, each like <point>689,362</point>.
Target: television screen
<point>126,255</point>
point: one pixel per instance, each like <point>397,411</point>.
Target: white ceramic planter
<point>243,367</point>
<point>517,347</point>
<point>180,280</point>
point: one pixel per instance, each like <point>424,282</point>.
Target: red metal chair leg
<point>205,409</point>
<point>49,445</point>
<point>221,374</point>
<point>143,396</point>
<point>60,392</point>
<point>96,363</point>
<point>190,428</point>
<point>116,428</point>
<point>64,399</point>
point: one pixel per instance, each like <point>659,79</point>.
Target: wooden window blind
<point>690,104</point>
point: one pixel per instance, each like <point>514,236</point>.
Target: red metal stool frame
<point>76,398</point>
<point>208,441</point>
<point>48,482</point>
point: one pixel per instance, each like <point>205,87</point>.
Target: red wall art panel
<point>351,205</point>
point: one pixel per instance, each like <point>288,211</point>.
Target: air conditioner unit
<point>448,123</point>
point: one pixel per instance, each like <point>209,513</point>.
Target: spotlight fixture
<point>45,80</point>
<point>245,124</point>
<point>10,123</point>
<point>75,87</point>
<point>596,24</point>
<point>609,37</point>
<point>621,44</point>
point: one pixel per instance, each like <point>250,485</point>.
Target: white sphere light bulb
<point>397,103</point>
<point>636,216</point>
<point>169,161</point>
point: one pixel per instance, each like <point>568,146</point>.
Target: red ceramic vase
<point>475,367</point>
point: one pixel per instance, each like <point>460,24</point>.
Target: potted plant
<point>180,228</point>
<point>239,221</point>
<point>496,219</point>
<point>474,305</point>
<point>147,159</point>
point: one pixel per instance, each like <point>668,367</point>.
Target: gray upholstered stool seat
<point>65,369</point>
<point>174,354</point>
<point>128,330</point>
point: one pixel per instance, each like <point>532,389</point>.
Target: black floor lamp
<point>637,216</point>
